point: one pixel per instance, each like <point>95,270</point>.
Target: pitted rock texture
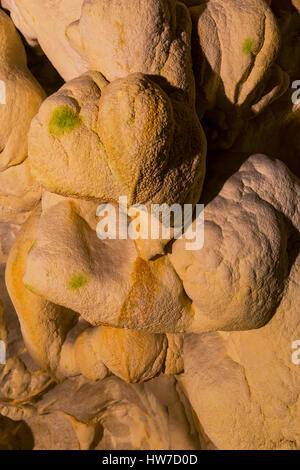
<point>245,81</point>
<point>21,96</point>
<point>45,23</point>
<point>115,343</point>
<point>98,140</point>
<point>238,278</point>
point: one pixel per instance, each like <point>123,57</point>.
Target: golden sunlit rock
<point>149,226</point>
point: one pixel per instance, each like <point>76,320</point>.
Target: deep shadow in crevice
<point>15,435</point>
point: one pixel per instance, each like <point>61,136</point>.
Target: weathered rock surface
<point>98,140</point>
<point>109,414</point>
<point>45,23</point>
<point>21,96</point>
<point>238,84</point>
<point>238,278</point>
<point>128,342</point>
<point>248,379</point>
<point>243,385</point>
<point>19,193</point>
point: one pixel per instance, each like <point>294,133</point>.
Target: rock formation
<point>115,340</point>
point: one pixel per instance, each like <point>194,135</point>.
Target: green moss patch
<point>33,289</point>
<point>64,120</point>
<point>77,281</point>
<point>248,46</point>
